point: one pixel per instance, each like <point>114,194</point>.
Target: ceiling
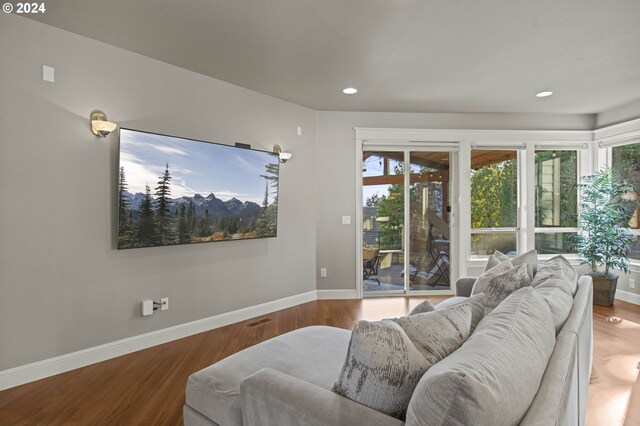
<point>403,55</point>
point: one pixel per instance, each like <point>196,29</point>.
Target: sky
<point>195,167</point>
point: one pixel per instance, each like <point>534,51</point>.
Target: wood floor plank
<point>148,386</point>
<point>613,392</point>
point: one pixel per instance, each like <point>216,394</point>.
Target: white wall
<point>335,172</point>
<point>63,285</point>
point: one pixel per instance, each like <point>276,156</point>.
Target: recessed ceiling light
<point>350,91</point>
<point>544,94</point>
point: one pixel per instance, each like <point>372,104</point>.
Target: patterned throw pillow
<point>501,283</point>
<point>530,258</point>
<point>423,307</point>
<point>497,269</point>
<point>387,358</point>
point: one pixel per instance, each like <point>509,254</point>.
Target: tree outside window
<point>556,200</point>
<point>625,161</point>
<point>494,202</point>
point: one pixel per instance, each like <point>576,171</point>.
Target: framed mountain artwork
<point>174,190</point>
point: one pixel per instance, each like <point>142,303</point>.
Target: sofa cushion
<point>494,376</point>
<point>387,358</point>
<point>560,303</point>
<point>497,286</point>
<point>530,258</point>
<point>215,391</point>
<point>556,403</point>
<point>557,272</point>
<point>424,306</point>
<point>477,307</point>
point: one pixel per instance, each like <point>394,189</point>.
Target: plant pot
<point>604,290</point>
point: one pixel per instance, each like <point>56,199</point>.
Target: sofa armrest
<point>270,397</point>
<point>464,286</point>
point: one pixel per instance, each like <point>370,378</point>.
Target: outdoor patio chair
<point>370,263</point>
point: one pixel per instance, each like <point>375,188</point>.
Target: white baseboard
<point>337,294</point>
<point>627,296</point>
<point>60,364</point>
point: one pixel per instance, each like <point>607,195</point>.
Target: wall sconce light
<point>284,156</point>
<point>99,124</point>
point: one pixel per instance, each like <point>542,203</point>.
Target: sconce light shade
<point>284,156</point>
<point>99,124</point>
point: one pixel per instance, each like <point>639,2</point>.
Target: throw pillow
<point>495,259</point>
<point>423,307</point>
<point>498,269</point>
<point>477,307</point>
<point>497,287</point>
<point>530,258</point>
<point>386,359</point>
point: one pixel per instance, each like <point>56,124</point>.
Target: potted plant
<point>606,208</point>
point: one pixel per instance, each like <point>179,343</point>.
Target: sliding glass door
<point>429,223</point>
<point>383,221</point>
<point>406,218</point>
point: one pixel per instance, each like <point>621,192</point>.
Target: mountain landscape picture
<point>180,191</point>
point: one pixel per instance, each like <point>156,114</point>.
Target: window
<point>556,200</point>
<point>494,201</point>
<point>383,199</point>
<point>626,161</point>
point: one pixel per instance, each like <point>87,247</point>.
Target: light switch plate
<point>346,220</point>
<point>48,73</point>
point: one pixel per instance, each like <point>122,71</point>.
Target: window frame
<point>525,229</point>
<point>492,146</point>
<point>606,150</point>
<point>580,172</point>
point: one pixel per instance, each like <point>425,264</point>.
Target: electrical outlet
<point>323,272</point>
<point>632,283</point>
<point>164,303</point>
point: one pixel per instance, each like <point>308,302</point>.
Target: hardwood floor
<point>147,387</point>
<point>614,391</point>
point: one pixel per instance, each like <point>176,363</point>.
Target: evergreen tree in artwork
<point>192,219</point>
<point>146,230</point>
<point>184,231</point>
<point>261,221</point>
<point>267,221</point>
<point>204,227</point>
<point>166,234</point>
<point>125,234</point>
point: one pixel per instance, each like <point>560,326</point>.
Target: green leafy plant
<point>605,211</point>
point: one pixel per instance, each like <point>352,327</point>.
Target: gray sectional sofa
<point>493,378</point>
